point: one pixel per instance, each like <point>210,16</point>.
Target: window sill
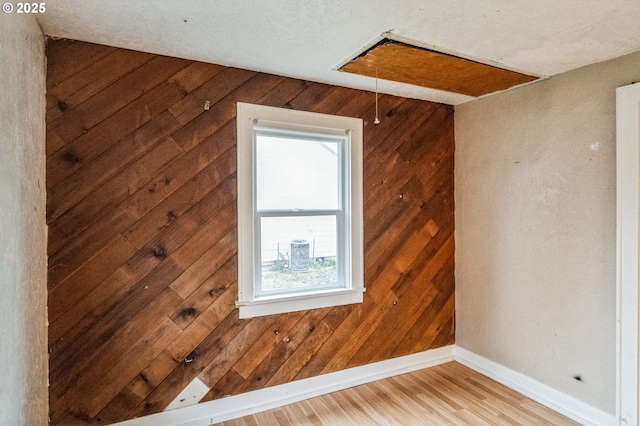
<point>270,305</point>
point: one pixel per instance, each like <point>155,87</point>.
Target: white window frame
<point>252,119</point>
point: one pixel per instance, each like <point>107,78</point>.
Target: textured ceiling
<point>310,39</point>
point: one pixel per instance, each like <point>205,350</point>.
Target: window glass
<point>296,174</point>
<point>298,253</point>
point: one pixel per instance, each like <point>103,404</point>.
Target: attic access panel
<point>404,63</point>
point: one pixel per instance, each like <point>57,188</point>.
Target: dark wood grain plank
<point>77,252</point>
<point>206,294</point>
<point>88,276</point>
<point>223,111</point>
<point>174,176</point>
<point>143,240</point>
<point>188,195</point>
<point>120,329</point>
<point>65,58</point>
<point>255,354</point>
<point>212,91</point>
<point>286,347</point>
<point>116,96</point>
<point>102,198</point>
<point>96,140</point>
<point>179,378</point>
<point>76,89</point>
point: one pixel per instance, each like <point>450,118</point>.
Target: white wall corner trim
<point>541,393</point>
<point>627,252</point>
<point>248,403</point>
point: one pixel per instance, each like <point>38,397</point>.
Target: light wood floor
<point>448,394</point>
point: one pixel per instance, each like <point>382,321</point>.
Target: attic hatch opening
<point>405,63</point>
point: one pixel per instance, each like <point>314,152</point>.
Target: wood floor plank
<point>415,394</point>
<point>441,395</point>
<point>543,415</point>
<point>450,378</point>
<point>400,407</point>
<point>350,405</point>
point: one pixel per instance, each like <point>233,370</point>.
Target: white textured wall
<point>535,229</point>
<point>23,297</point>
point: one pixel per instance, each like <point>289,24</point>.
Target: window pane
<point>298,253</point>
<point>296,174</point>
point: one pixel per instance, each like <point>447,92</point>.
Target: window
<point>299,210</point>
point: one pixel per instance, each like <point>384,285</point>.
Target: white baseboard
<point>543,394</point>
<point>276,396</point>
<point>248,403</point>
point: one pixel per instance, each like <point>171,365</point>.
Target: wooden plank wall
<point>141,210</point>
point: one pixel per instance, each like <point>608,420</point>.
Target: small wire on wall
<point>376,120</point>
